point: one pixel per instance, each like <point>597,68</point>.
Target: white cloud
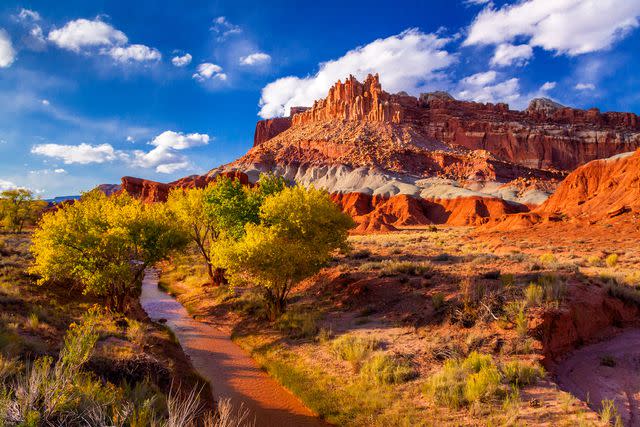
<point>82,154</point>
<point>585,86</point>
<point>257,58</point>
<point>134,52</point>
<point>507,54</point>
<point>478,88</point>
<point>207,71</point>
<point>408,61</point>
<point>7,53</point>
<point>571,27</point>
<point>7,185</point>
<point>548,86</point>
<point>164,157</point>
<point>29,15</point>
<point>182,61</point>
<point>179,141</point>
<point>224,28</point>
<point>45,102</point>
<point>82,33</point>
<point>130,139</point>
<point>476,2</point>
<point>480,79</point>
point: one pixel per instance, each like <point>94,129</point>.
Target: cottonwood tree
<point>299,229</point>
<point>19,208</point>
<point>103,245</point>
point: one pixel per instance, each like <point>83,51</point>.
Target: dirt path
<point>231,372</point>
<point>586,376</point>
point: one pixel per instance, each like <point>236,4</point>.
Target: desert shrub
<point>548,258</point>
<point>609,413</point>
<point>507,280</point>
<point>393,268</point>
<point>136,331</point>
<point>354,349</point>
<point>554,288</point>
<point>385,369</point>
<point>299,323</point>
<point>362,254</point>
<point>632,279</point>
<point>459,383</point>
<point>521,322</point>
<point>594,260</point>
<point>612,260</point>
<point>33,321</point>
<point>438,300</point>
<point>8,368</point>
<point>521,374</point>
<point>608,360</point>
<point>533,295</point>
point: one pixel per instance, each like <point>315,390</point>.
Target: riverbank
<point>231,373</point>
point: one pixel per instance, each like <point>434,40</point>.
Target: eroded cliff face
<point>546,135</point>
<point>355,101</point>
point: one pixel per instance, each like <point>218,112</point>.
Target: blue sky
<point>94,90</point>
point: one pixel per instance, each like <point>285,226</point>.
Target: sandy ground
<point>231,372</point>
<point>586,374</point>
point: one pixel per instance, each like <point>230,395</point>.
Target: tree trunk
<point>219,277</point>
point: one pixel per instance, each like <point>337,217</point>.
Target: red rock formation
<point>354,101</point>
<point>546,135</point>
<point>267,129</point>
<point>376,214</point>
<point>600,189</point>
<point>152,191</point>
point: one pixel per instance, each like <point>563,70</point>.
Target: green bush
<point>354,349</point>
<point>384,369</point>
<point>438,300</point>
<point>299,323</point>
<point>459,383</point>
<point>612,260</point>
<point>534,295</point>
<point>548,258</point>
<point>521,374</point>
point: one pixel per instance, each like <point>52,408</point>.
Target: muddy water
<point>230,371</point>
<point>585,374</point>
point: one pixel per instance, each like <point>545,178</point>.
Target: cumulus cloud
<point>480,79</point>
<point>7,53</point>
<point>585,86</point>
<point>207,71</point>
<point>165,157</point>
<point>571,27</point>
<point>181,61</point>
<point>476,2</point>
<point>7,185</point>
<point>482,87</point>
<point>408,61</point>
<point>257,58</point>
<point>82,33</point>
<point>29,15</point>
<point>223,28</point>
<point>507,54</point>
<point>82,154</point>
<point>134,52</point>
<point>548,86</point>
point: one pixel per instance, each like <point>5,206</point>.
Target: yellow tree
<point>103,245</point>
<point>299,230</point>
<point>18,208</point>
<point>189,209</point>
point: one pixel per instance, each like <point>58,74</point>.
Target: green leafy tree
<point>299,230</point>
<point>103,245</point>
<point>19,208</point>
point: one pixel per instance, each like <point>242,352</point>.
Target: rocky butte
<point>394,160</point>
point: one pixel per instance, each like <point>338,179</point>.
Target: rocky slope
<point>603,189</point>
<point>393,160</point>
